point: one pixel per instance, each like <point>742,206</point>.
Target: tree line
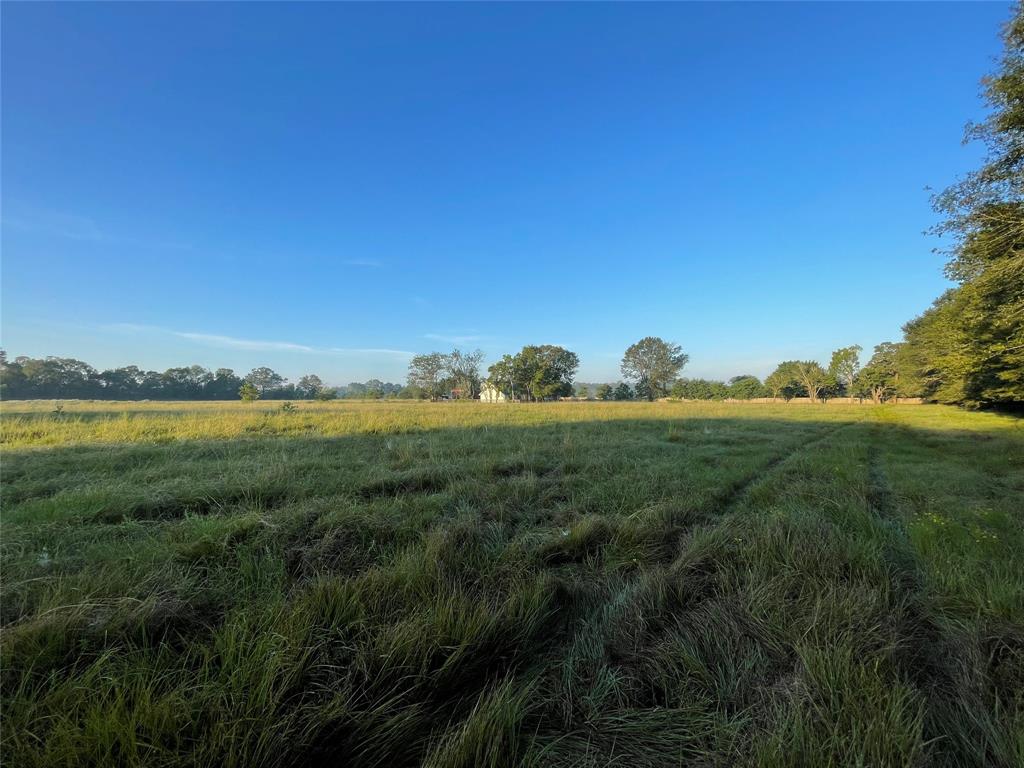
<point>650,369</point>
<point>969,346</point>
<point>27,378</point>
<point>652,364</point>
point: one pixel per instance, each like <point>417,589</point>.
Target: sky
<point>330,188</point>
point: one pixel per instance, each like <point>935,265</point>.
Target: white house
<point>491,394</point>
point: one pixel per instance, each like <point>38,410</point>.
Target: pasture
<point>557,584</point>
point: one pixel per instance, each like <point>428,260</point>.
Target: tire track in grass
<point>738,492</point>
<point>880,498</point>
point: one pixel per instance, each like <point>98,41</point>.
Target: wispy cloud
<point>231,342</point>
<point>467,339</point>
<point>369,351</point>
<point>73,226</point>
<point>256,345</point>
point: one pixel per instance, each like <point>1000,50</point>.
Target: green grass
<point>577,584</point>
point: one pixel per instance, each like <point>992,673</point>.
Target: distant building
<point>491,394</point>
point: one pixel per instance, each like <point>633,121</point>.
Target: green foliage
<point>785,382</point>
<point>747,387</point>
<point>700,389</point>
<point>605,392</point>
<point>51,377</point>
<point>264,379</point>
<point>309,386</point>
<point>374,389</point>
<point>781,383</point>
<point>653,364</point>
<point>622,391</point>
<point>969,347</point>
<point>536,373</point>
<point>799,378</point>
<point>879,378</point>
<point>426,372</point>
<point>249,392</point>
<point>843,367</point>
<point>463,369</point>
<point>437,374</point>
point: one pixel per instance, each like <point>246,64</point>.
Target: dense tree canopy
<point>265,379</point>
<point>58,377</point>
<point>440,375</point>
<point>878,379</point>
<point>844,366</point>
<point>309,386</point>
<point>700,389</point>
<point>969,347</point>
<point>426,372</point>
<point>653,364</point>
<point>535,373</point>
<point>746,387</point>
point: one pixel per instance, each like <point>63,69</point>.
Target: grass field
<point>577,584</point>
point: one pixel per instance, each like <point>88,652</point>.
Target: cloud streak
<point>453,339</point>
<point>257,345</point>
<point>231,342</point>
<point>83,229</point>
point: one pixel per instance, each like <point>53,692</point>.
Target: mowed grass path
<point>578,584</point>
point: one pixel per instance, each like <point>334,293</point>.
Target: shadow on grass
<point>646,591</point>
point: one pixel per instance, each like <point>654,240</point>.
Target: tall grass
<point>473,585</point>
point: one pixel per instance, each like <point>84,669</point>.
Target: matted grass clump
<point>578,584</point>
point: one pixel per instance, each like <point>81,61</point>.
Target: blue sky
<point>328,188</point>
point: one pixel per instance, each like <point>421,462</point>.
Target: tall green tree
<point>878,379</point>
<point>653,364</point>
<point>463,369</point>
<point>309,386</point>
<point>224,386</point>
<point>504,376</point>
<point>844,366</point>
<point>782,382</point>
<point>812,377</point>
<point>265,379</point>
<point>536,372</point>
<point>427,372</point>
<point>982,360</point>
<point>548,370</point>
<point>799,378</point>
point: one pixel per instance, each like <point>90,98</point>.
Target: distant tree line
<point>651,368</point>
<point>791,379</point>
<point>27,378</point>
